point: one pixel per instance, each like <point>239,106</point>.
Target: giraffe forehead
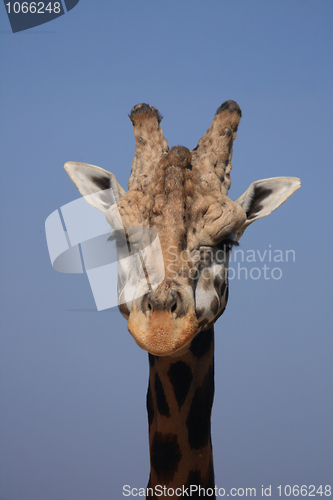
<point>184,205</point>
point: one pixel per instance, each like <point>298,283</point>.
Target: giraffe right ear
<point>265,196</point>
<point>99,187</point>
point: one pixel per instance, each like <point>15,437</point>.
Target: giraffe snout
<point>170,302</point>
<point>164,321</point>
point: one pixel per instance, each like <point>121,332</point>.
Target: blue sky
<point>73,381</point>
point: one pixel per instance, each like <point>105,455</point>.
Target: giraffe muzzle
<point>162,333</point>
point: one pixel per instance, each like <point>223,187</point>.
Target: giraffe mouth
<point>161,333</point>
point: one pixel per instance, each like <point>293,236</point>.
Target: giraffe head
<point>180,196</point>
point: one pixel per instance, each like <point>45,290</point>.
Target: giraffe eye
<point>227,244</point>
<point>119,237</point>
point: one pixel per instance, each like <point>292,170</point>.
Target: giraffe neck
<point>179,403</point>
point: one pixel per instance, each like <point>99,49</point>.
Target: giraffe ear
<point>99,187</point>
<point>265,196</point>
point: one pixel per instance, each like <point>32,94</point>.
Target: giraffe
<point>182,196</point>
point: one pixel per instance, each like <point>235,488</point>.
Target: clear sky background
<point>73,381</point>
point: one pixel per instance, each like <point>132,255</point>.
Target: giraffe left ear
<point>265,196</point>
<point>99,187</point>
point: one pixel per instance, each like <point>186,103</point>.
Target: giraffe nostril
<point>148,304</point>
<point>175,304</point>
<point>171,303</point>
